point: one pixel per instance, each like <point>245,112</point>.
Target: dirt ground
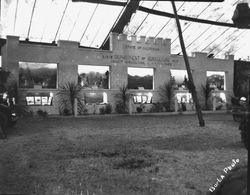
<point>113,155</point>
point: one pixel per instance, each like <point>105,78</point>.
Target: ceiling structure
<point>206,26</point>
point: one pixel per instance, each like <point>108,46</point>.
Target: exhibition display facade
<point>143,64</point>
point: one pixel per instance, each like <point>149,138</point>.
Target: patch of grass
<point>132,163</point>
<point>109,155</point>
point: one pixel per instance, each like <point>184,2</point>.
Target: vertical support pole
<point>214,103</point>
<point>248,143</point>
<point>130,105</point>
<point>190,77</point>
<point>175,104</point>
<point>75,107</point>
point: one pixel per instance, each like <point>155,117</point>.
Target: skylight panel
<point>83,20</point>
<point>53,16</point>
<point>100,25</point>
<point>23,17</point>
<point>39,20</point>
<point>7,17</point>
<point>135,23</point>
<point>70,16</point>
<point>154,24</point>
<point>210,38</point>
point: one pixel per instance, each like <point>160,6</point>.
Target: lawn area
<point>113,155</point>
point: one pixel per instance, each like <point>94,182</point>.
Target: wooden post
<point>248,142</point>
<point>214,103</point>
<point>130,105</point>
<point>75,107</point>
<point>190,77</point>
<point>175,104</point>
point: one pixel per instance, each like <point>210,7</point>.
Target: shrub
<point>122,99</point>
<point>119,108</point>
<point>68,92</point>
<point>183,107</point>
<point>157,107</point>
<point>66,112</point>
<point>108,109</point>
<point>166,93</point>
<point>219,107</point>
<point>42,113</point>
<point>102,110</point>
<point>30,114</point>
<point>139,109</point>
<point>206,91</point>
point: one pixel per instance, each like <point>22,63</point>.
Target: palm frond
<point>67,93</point>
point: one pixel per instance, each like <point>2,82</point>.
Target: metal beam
<point>166,14</point>
<point>144,19</point>
<point>105,2</point>
<point>124,19</point>
<point>130,8</point>
<point>61,20</point>
<point>15,16</point>
<point>33,9</point>
<point>190,76</point>
<point>92,15</point>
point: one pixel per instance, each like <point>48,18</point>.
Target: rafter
<point>215,39</point>
<point>130,8</point>
<point>168,21</point>
<point>124,19</point>
<point>33,9</point>
<point>166,14</point>
<point>15,16</point>
<point>144,19</point>
<point>105,44</point>
<point>92,15</point>
<point>105,2</point>
<point>191,23</point>
<point>61,20</point>
<point>243,32</point>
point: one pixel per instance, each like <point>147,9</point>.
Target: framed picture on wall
<point>38,100</point>
<point>44,100</point>
<point>30,100</point>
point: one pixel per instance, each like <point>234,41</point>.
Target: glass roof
<point>51,20</point>
<point>91,23</point>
